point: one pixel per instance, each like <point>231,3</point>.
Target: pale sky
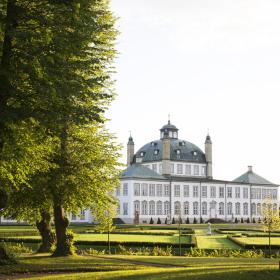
<point>210,65</point>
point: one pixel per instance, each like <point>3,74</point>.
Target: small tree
<point>270,221</point>
<point>158,221</point>
<point>248,220</point>
<point>254,221</point>
<point>242,221</point>
<point>236,220</point>
<point>259,221</point>
<point>165,221</point>
<point>201,220</point>
<point>151,221</point>
<point>173,221</point>
<point>187,220</point>
<point>194,220</point>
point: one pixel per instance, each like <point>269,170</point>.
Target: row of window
<point>159,190</point>
<point>180,169</point>
<point>81,216</point>
<point>163,208</point>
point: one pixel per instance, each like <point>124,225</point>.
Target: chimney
<point>250,168</point>
<point>130,150</point>
<point>208,156</point>
<point>166,150</point>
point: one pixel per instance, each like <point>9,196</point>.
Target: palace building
<point>172,178</point>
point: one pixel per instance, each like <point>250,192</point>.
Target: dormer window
<point>156,152</point>
<point>195,153</point>
<point>178,152</point>
<point>153,144</point>
<point>182,143</point>
<point>142,154</point>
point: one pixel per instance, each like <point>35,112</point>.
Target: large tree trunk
<point>64,241</point>
<point>45,229</point>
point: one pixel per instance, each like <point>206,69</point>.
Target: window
<point>142,154</point>
<point>118,191</point>
<point>74,217</point>
<point>212,192</point>
<point>144,207</point>
<point>178,152</point>
<point>159,208</point>
<point>136,206</point>
<point>195,208</point>
<point>186,191</point>
<point>275,208</point>
<point>221,192</point>
<point>196,170</point>
<point>82,215</point>
<point>186,208</point>
<point>188,169</point>
<point>259,209</point>
<point>237,192</point>
<point>166,208</point>
<point>213,205</point>
<point>136,189</point>
<point>125,189</point>
<point>259,193</point>
<point>245,208</point>
<point>156,152</point>
<point>203,170</point>
<point>253,209</point>
<point>229,192</point>
<point>221,208</point>
<point>159,190</point>
<point>204,191</point>
<point>180,169</point>
<point>118,210</point>
<point>166,190</point>
<point>195,191</point>
<point>172,168</point>
<point>160,168</point>
<point>152,190</point>
<point>245,193</point>
<point>177,190</point>
<point>152,209</point>
<point>125,208</point>
<point>237,208</point>
<point>274,194</point>
<point>177,208</point>
<point>229,208</point>
<point>144,189</point>
<point>154,167</point>
<point>204,208</point>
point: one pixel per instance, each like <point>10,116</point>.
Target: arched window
<point>177,208</point>
<point>166,208</point>
<point>253,209</point>
<point>159,208</point>
<point>195,208</point>
<point>237,208</point>
<point>144,207</point>
<point>245,208</point>
<point>221,208</point>
<point>186,208</point>
<point>152,208</point>
<point>259,209</point>
<point>136,206</point>
<point>204,208</point>
<point>229,208</point>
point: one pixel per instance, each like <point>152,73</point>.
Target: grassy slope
<point>188,268</point>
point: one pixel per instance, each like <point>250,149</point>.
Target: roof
<point>252,178</point>
<point>188,151</point>
<point>140,171</point>
<point>169,126</point>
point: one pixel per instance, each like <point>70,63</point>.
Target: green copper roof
<point>252,178</point>
<point>140,171</point>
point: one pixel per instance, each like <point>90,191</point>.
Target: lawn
<point>258,240</point>
<point>215,242</point>
<point>132,267</point>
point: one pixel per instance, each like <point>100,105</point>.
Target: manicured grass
<point>215,242</point>
<point>258,240</point>
<point>120,267</point>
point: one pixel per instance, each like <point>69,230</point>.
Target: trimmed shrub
<point>242,221</point>
<point>201,220</point>
<point>194,220</point>
<point>259,221</point>
<point>254,221</point>
<point>173,221</point>
<point>236,220</point>
<point>187,220</point>
<point>248,220</point>
<point>151,221</point>
<point>158,221</point>
<point>165,221</point>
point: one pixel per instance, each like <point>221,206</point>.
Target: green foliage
<point>18,248</point>
<point>151,221</point>
<point>7,257</point>
<point>158,221</point>
<point>145,251</point>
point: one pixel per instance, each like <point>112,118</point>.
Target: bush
<point>7,257</point>
<point>19,248</point>
<point>158,221</point>
<point>173,221</point>
<point>242,221</point>
<point>236,220</point>
<point>194,220</point>
<point>259,221</point>
<point>151,221</point>
<point>248,220</point>
<point>201,220</point>
<point>187,220</point>
<point>254,221</point>
<point>165,221</point>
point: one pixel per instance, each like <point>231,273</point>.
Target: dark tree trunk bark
<point>48,237</point>
<point>64,242</point>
